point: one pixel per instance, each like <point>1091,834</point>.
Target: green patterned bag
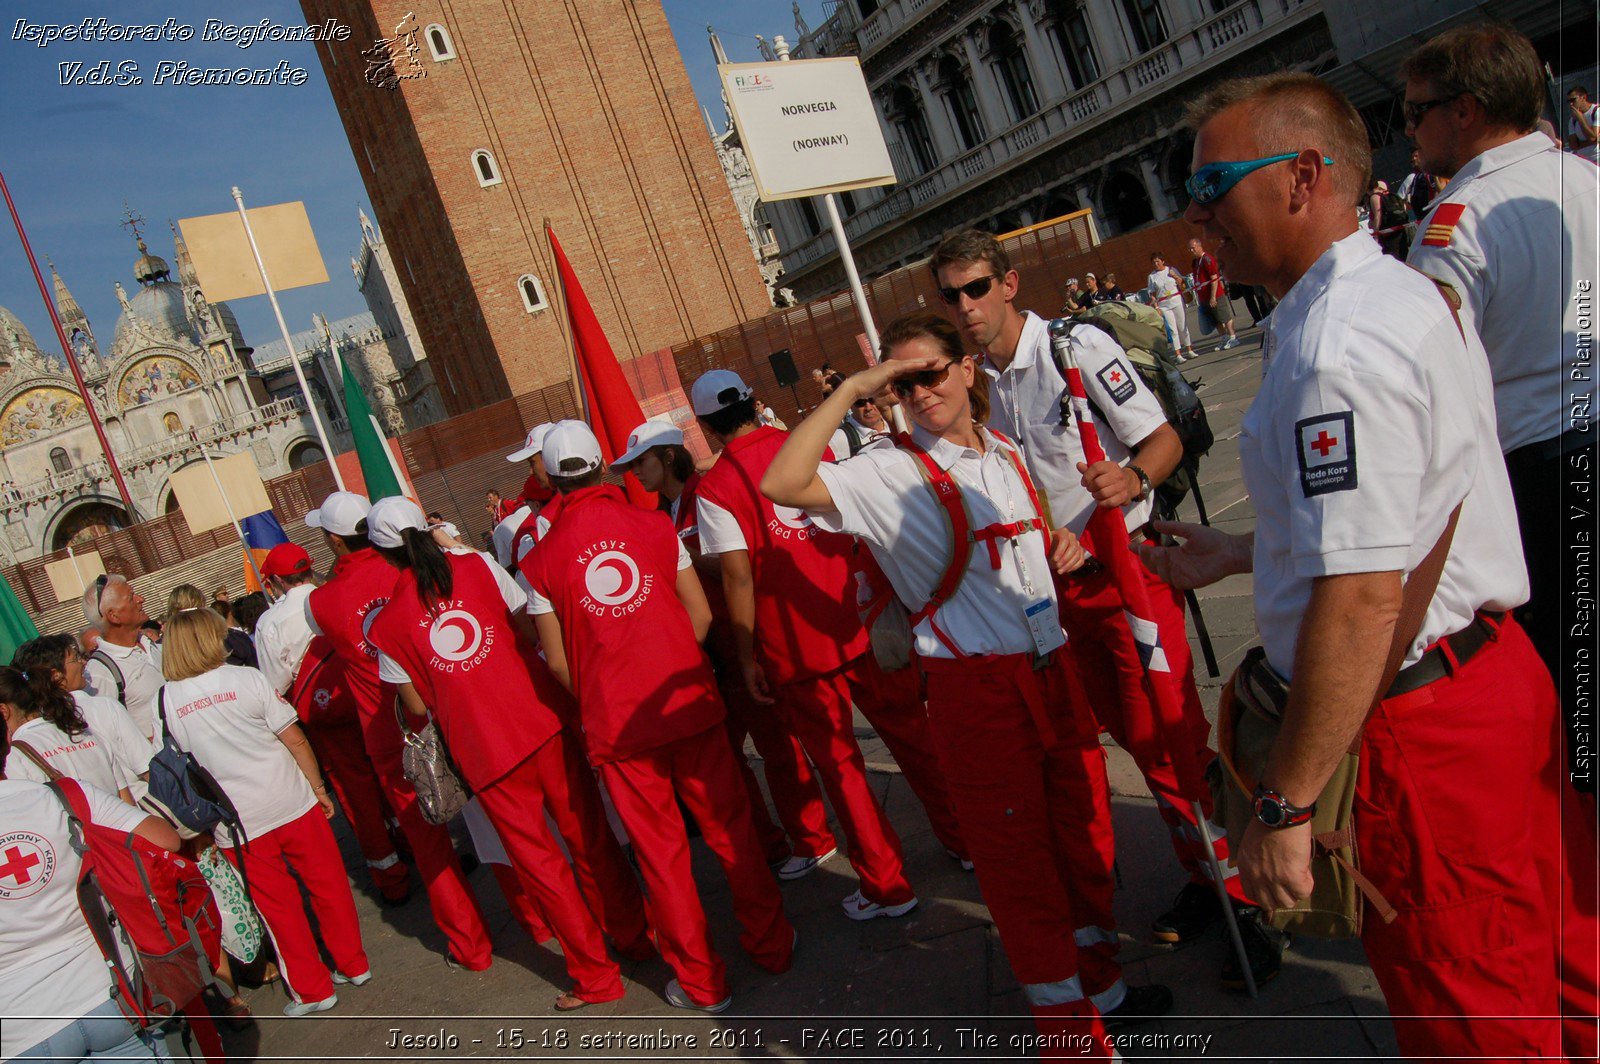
<point>241,925</point>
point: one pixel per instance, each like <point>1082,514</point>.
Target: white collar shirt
<point>505,532</point>
<point>1372,422</point>
<point>229,719</point>
<point>1591,151</point>
<point>282,636</point>
<point>51,970</point>
<point>141,676</point>
<point>1523,246</point>
<point>1025,404</point>
<point>85,757</point>
<point>1164,287</point>
<point>882,497</point>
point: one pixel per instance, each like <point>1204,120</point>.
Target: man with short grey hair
<point>125,665</point>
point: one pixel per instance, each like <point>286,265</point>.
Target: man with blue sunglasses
<point>1368,452</point>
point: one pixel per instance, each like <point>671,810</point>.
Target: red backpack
<point>132,890</point>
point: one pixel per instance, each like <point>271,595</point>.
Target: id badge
<point>1044,624</point>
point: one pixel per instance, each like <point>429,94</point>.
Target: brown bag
<point>1248,720</point>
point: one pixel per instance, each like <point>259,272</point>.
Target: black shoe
<point>1262,944</point>
<point>1141,1003</point>
<point>1195,909</point>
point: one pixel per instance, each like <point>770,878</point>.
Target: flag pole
<point>383,438</point>
<point>238,529</point>
<point>288,343</point>
<point>72,363</point>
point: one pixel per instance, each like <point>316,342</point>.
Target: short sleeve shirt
<point>1163,286</point>
<point>1374,419</point>
<point>141,675</point>
<point>282,635</point>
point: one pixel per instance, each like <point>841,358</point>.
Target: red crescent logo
<point>455,635</point>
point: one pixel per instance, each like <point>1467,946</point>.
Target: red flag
<point>1106,537</point>
<point>613,411</point>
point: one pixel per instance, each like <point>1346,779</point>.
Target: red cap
<point>286,559</point>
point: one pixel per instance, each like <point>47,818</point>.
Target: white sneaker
<point>1232,341</point>
<point>858,907</point>
<point>966,865</point>
<point>679,1000</point>
<point>796,867</point>
<point>306,1008</point>
<point>363,979</point>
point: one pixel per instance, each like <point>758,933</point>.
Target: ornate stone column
<point>1048,83</point>
<point>1160,203</point>
<point>996,119</point>
<point>938,118</point>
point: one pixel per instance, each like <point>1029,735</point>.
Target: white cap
<point>392,516</point>
<point>339,513</point>
<point>567,440</point>
<point>532,445</point>
<point>717,389</point>
<point>652,433</point>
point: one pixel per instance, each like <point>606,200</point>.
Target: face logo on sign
<point>455,635</point>
<point>611,578</point>
<point>1326,448</point>
<point>27,861</point>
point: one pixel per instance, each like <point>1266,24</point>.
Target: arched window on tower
<point>961,100</point>
<point>912,123</point>
<point>533,298</point>
<point>1071,32</point>
<point>439,43</point>
<point>1012,66</point>
<point>485,168</point>
<point>60,461</point>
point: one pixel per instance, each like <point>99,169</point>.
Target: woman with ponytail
<point>455,640</point>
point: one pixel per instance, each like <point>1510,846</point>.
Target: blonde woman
<point>249,739</point>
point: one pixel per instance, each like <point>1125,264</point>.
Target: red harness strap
<point>962,534</point>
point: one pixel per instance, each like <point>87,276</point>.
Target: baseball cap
<point>286,559</point>
<point>567,440</point>
<point>392,516</point>
<point>339,513</point>
<point>532,445</point>
<point>651,434</point>
<point>717,389</point>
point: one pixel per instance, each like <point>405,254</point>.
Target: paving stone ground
<point>931,986</point>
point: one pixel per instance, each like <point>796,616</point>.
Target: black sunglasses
<point>862,402</point>
<point>927,378</point>
<point>100,583</point>
<point>1415,112</point>
<point>974,289</point>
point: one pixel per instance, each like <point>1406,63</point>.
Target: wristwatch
<point>1144,483</point>
<point>1274,810</point>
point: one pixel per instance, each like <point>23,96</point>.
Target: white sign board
<point>72,574</point>
<point>203,506</point>
<point>808,126</point>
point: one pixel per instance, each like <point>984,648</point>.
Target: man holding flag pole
<point>1090,465</point>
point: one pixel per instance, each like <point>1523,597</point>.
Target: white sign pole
<point>288,343</point>
<point>238,529</point>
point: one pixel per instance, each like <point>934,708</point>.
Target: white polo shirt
<point>506,531</point>
<point>111,723</point>
<point>882,497</point>
<point>51,970</point>
<point>1372,422</point>
<point>141,675</point>
<point>229,719</point>
<point>84,757</point>
<point>1164,290</point>
<point>1524,240</point>
<point>1025,404</point>
<point>282,636</point>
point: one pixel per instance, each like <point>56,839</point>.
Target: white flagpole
<point>238,529</point>
<point>288,343</point>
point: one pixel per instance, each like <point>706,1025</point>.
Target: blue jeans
<point>98,1035</point>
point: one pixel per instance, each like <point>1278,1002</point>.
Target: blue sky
<point>72,154</point>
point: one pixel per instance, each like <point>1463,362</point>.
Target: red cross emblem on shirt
<point>1114,377</point>
<point>1324,443</point>
<point>17,866</point>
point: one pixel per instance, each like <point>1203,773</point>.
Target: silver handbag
<point>426,763</point>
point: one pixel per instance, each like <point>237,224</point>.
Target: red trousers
<point>816,711</point>
<point>524,909</point>
<point>804,830</point>
<point>1122,700</point>
<point>597,890</point>
<point>343,757</point>
<point>1465,824</point>
<point>455,908</point>
<point>701,772</point>
<point>1028,782</point>
<point>894,704</point>
<point>304,850</point>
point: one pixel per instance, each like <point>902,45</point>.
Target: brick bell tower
<point>478,121</point>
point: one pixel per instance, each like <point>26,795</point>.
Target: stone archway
<point>84,521</point>
<point>1127,204</point>
<point>303,453</point>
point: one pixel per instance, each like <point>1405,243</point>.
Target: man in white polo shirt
<point>126,665</point>
<point>510,542</point>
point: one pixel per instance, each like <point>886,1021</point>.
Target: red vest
<point>319,693</point>
<point>610,568</point>
<point>529,529</point>
<point>344,608</point>
<point>495,700</point>
<point>806,621</point>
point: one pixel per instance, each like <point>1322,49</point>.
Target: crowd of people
<point>597,675</point>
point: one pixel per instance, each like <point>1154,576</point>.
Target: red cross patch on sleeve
<point>1326,447</point>
<point>1117,380</point>
<point>1442,226</point>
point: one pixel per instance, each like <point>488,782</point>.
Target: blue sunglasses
<point>1214,180</point>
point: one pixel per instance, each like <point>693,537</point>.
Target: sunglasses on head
<point>974,289</point>
<point>1214,180</point>
<point>926,378</point>
<point>100,583</point>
